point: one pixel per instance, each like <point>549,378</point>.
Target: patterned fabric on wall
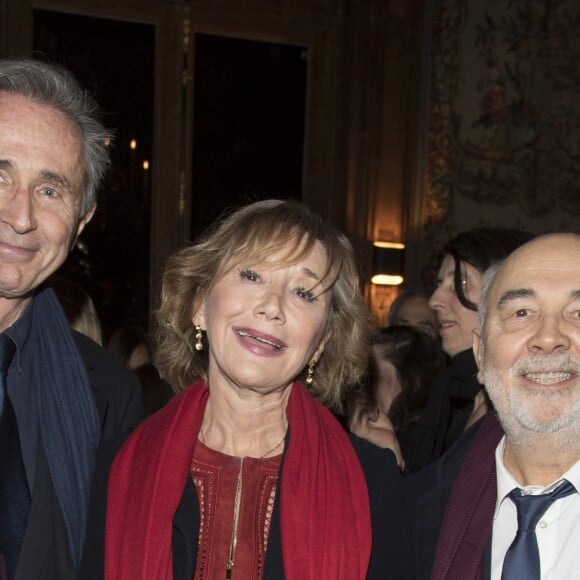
<point>503,141</point>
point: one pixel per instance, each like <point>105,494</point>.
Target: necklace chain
<point>238,501</point>
<point>202,438</point>
<point>236,518</point>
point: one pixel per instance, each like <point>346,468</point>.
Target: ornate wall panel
<point>503,137</point>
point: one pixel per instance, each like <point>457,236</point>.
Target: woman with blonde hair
<point>245,473</point>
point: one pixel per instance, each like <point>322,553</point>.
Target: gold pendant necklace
<point>238,501</point>
<point>234,538</point>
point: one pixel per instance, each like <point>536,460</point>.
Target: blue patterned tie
<point>14,492</point>
<point>522,560</point>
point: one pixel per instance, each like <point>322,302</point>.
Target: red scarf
<point>325,514</point>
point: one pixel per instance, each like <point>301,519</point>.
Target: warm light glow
<point>386,280</point>
<point>145,165</point>
<point>394,245</point>
<point>107,142</point>
<point>388,265</point>
<point>133,144</point>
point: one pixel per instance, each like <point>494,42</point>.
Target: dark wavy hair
<point>401,299</point>
<point>481,247</point>
<point>417,358</point>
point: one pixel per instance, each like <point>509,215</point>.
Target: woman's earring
<point>309,376</point>
<point>198,338</point>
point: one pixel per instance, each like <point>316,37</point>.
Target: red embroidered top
<point>325,526</point>
<point>216,478</point>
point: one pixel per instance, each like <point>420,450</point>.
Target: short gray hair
<point>54,86</point>
<point>488,278</point>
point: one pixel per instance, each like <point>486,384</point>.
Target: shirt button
<point>543,525</point>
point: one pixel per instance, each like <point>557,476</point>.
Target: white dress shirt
<point>557,532</point>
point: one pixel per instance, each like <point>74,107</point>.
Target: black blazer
<point>427,493</point>
<point>45,552</point>
<point>390,557</point>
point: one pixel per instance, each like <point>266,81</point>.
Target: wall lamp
<point>388,263</point>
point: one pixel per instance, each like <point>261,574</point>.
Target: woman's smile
<point>258,342</point>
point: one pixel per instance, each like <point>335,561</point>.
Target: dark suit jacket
<point>390,558</point>
<point>45,552</point>
<point>427,492</point>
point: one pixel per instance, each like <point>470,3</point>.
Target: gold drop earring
<point>310,375</point>
<point>198,338</point>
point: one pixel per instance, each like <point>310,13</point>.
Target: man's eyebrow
<point>575,294</point>
<point>57,178</point>
<point>511,295</point>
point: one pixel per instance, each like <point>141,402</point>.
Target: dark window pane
<point>115,61</point>
<point>248,135</point>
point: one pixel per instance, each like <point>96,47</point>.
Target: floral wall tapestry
<point>503,117</point>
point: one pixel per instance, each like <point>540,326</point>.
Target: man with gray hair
<point>60,394</point>
<point>504,502</point>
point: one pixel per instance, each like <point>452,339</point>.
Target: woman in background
<point>411,308</point>
<point>78,307</point>
<point>131,344</point>
<point>403,364</point>
<point>457,400</point>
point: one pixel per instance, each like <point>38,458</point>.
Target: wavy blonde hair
<point>250,235</point>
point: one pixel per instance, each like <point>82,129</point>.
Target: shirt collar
<point>506,482</point>
<point>20,331</point>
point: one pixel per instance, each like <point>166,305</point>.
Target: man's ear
<point>478,348</point>
<point>83,221</point>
